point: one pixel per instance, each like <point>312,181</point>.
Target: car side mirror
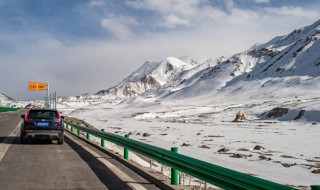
<point>22,116</point>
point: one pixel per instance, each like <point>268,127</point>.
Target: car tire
<point>61,139</point>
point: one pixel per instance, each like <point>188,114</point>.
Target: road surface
<point>45,165</point>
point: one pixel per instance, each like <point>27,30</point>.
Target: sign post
<point>40,86</point>
<point>48,100</point>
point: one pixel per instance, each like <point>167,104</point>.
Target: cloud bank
<point>103,42</point>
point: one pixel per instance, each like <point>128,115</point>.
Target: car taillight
<point>27,131</point>
<point>58,120</point>
<point>26,117</point>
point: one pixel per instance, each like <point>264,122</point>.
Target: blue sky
<point>81,46</point>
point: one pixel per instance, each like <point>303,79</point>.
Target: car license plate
<point>43,124</point>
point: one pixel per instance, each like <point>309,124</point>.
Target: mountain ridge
<point>293,55</point>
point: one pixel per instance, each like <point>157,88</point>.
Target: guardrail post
<point>315,187</point>
<point>126,150</point>
<point>102,140</point>
<point>174,172</point>
<point>72,127</point>
<point>78,130</point>
<point>67,126</point>
<point>88,135</point>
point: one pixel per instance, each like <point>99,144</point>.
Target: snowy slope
<point>293,58</point>
<point>150,77</point>
<point>5,100</point>
<point>222,72</point>
<point>286,66</point>
<point>281,42</point>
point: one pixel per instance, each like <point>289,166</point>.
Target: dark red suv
<point>42,124</point>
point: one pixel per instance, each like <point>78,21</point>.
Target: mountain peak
<point>150,76</point>
<point>144,70</point>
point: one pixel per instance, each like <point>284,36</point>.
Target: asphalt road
<point>45,165</point>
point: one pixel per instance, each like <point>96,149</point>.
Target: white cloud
<point>182,7</point>
<point>213,13</point>
<point>119,26</point>
<point>229,4</point>
<point>262,1</point>
<point>239,16</point>
<point>234,17</point>
<point>186,7</point>
<point>172,21</point>
<point>50,43</point>
<point>96,3</point>
<point>293,11</point>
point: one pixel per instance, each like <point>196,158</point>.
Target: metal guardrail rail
<point>5,109</point>
<point>213,174</point>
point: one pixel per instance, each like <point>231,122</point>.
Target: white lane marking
<point>123,176</point>
<point>4,146</point>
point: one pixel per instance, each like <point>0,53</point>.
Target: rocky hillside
<point>291,60</point>
<point>150,76</point>
<point>4,99</point>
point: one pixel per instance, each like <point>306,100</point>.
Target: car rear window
<point>47,114</point>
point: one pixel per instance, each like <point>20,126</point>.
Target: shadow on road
<point>9,140</point>
<point>16,140</point>
<point>107,177</point>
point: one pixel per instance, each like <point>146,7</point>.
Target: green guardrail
<point>213,174</point>
<point>5,109</point>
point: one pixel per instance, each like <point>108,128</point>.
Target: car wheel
<point>61,139</point>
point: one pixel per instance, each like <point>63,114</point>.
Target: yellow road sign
<point>37,86</point>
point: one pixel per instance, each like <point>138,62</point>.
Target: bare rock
<point>146,135</point>
<point>262,157</point>
<point>258,147</point>
<point>243,149</point>
<point>237,155</point>
<point>285,156</point>
<point>138,134</point>
<point>317,171</point>
<point>216,136</point>
<point>288,165</point>
<point>240,117</point>
<point>186,144</point>
<point>277,112</point>
<point>224,149</point>
<point>198,133</point>
<point>204,146</point>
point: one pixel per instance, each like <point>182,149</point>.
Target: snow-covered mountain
<point>290,60</point>
<point>294,58</point>
<point>150,76</point>
<point>5,100</point>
